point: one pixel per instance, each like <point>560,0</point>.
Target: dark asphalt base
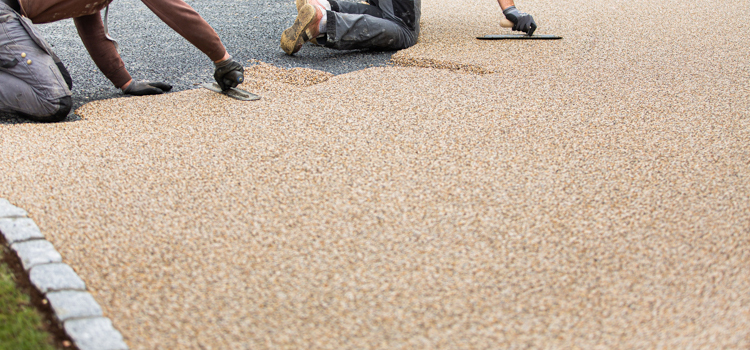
<point>153,51</point>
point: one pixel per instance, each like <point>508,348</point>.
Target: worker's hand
<point>140,88</point>
<point>522,22</point>
<point>229,73</point>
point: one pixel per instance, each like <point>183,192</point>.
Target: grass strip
<point>21,325</point>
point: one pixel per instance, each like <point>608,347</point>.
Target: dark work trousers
<point>30,81</point>
<point>381,25</point>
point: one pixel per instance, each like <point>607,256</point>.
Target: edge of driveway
<point>73,307</point>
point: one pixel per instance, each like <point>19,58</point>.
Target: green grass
<point>21,324</point>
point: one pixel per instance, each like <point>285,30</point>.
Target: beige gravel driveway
<point>592,192</point>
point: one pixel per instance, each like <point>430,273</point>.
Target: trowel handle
<point>234,77</point>
<point>505,23</point>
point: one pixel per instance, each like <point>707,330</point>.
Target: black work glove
<point>522,22</point>
<point>141,88</point>
<point>229,73</point>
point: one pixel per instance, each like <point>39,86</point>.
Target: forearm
<point>190,25</point>
<point>504,4</point>
<point>102,51</point>
<point>226,56</point>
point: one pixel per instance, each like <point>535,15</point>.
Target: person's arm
<point>105,56</point>
<point>190,25</point>
<point>102,51</point>
<point>504,4</point>
<point>522,22</point>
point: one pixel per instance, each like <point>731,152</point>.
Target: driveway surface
<point>590,192</point>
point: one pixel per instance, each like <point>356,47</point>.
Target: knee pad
<point>65,104</point>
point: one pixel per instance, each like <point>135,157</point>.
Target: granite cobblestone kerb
<point>74,308</point>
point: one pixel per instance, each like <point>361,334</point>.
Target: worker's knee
<point>58,110</point>
<point>65,104</point>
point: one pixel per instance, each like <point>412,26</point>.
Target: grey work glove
<point>229,73</point>
<point>522,22</point>
<point>141,88</point>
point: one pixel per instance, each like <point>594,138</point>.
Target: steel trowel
<point>235,93</point>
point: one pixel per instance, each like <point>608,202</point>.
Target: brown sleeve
<point>188,23</point>
<point>102,51</point>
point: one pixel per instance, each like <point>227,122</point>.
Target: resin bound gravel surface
<point>590,192</point>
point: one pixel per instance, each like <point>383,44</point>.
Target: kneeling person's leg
<point>356,8</point>
<point>18,96</point>
<point>352,31</point>
<point>32,83</point>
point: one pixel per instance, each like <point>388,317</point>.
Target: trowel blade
<point>519,37</point>
<point>234,93</point>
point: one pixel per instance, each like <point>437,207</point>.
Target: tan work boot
<point>315,3</point>
<point>305,27</point>
<point>300,3</point>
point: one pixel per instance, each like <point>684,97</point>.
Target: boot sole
<point>299,4</point>
<point>292,38</point>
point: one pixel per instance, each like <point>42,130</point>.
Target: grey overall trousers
<point>31,82</point>
<point>381,25</point>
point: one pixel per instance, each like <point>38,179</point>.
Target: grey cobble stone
<point>94,334</point>
<point>73,304</point>
<point>18,230</point>
<point>8,210</point>
<point>54,277</point>
<point>75,308</point>
<point>36,252</point>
